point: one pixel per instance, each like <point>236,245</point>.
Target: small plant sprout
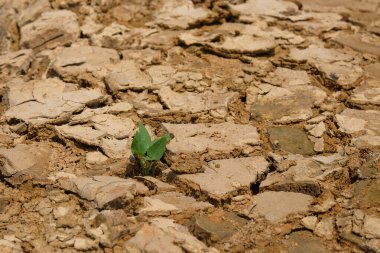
<point>146,151</point>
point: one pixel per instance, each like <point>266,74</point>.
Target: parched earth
<point>273,106</point>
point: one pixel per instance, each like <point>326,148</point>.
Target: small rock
<point>317,119</point>
<point>84,244</point>
<point>319,144</point>
<point>95,157</point>
<point>325,206</point>
<point>330,159</point>
<point>111,226</point>
<point>310,222</point>
<point>69,220</point>
<point>325,228</point>
<point>344,224</point>
<point>285,165</point>
<point>61,211</point>
<point>318,130</point>
<point>44,207</point>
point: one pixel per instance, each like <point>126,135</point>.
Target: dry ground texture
<point>273,106</point>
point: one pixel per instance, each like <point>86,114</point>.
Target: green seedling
<point>146,151</point>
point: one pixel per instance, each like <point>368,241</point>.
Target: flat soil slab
<point>223,179</point>
<point>193,143</point>
<point>276,206</point>
<point>363,125</point>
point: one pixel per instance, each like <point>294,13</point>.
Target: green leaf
<point>157,149</point>
<point>141,142</point>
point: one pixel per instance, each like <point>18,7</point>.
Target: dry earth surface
<point>273,106</point>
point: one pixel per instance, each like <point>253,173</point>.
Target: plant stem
<point>146,166</point>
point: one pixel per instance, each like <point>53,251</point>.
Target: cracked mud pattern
<point>273,106</point>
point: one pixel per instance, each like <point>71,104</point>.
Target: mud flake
<point>317,23</point>
<point>304,175</point>
<point>33,11</point>
<point>113,125</point>
<point>363,125</point>
<point>16,62</point>
<point>161,74</point>
<point>194,138</point>
<point>276,206</point>
<point>244,44</point>
<point>164,235</point>
<point>52,29</point>
<point>25,162</point>
<point>105,191</point>
<point>366,96</point>
<point>191,102</point>
<point>288,98</point>
<point>223,179</point>
<point>130,78</point>
<point>170,203</point>
<point>87,64</point>
<point>366,193</point>
<point>275,8</point>
<point>292,140</point>
<point>305,241</point>
<point>113,36</point>
<point>338,68</point>
<point>181,15</point>
<point>115,148</point>
<point>216,226</point>
<point>209,140</point>
<point>360,43</point>
<point>83,134</point>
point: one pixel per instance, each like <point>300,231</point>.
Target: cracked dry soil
<point>273,105</point>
